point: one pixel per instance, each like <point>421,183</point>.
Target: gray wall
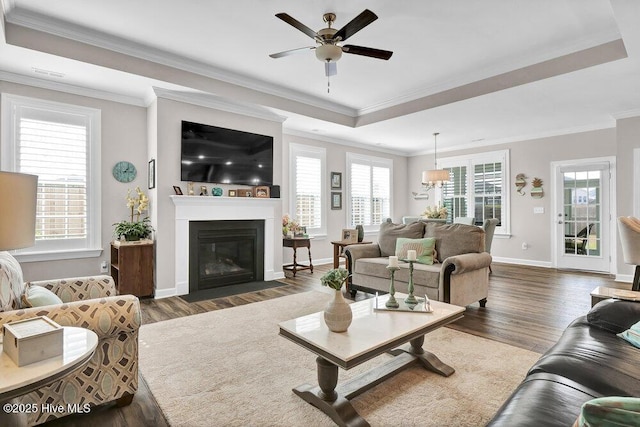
<point>124,135</point>
<point>138,134</point>
<point>533,158</point>
<point>168,114</point>
<point>337,219</point>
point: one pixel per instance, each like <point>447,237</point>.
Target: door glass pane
<point>582,212</point>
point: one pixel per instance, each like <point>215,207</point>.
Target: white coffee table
<point>79,345</point>
<point>371,333</point>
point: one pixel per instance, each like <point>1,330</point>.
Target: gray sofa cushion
<point>389,232</point>
<point>423,275</point>
<point>455,239</point>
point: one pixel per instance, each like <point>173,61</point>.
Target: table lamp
<point>18,196</point>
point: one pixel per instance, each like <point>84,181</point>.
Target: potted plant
<point>139,229</point>
<point>338,314</point>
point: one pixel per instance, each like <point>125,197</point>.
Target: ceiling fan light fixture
<point>328,52</point>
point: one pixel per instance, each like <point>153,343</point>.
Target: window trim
<point>93,246</point>
<point>371,161</point>
<point>470,160</point>
<point>295,150</point>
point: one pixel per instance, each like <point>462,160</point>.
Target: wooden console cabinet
<point>132,267</point>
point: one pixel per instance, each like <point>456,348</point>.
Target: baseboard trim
<point>165,293</point>
<point>625,278</point>
<point>527,262</point>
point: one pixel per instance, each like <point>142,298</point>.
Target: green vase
<point>360,233</point>
<point>131,237</point>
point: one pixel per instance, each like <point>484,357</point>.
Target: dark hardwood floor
<point>527,307</point>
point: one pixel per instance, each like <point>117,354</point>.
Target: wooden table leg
<point>426,358</point>
<point>310,263</point>
<point>325,398</point>
<point>295,261</point>
<point>336,256</point>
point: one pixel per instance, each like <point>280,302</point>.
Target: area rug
<point>231,368</point>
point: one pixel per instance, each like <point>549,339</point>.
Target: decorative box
<point>32,340</point>
<point>242,192</point>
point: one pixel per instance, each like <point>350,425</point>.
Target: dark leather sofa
<point>588,361</point>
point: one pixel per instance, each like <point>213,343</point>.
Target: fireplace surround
<point>203,208</point>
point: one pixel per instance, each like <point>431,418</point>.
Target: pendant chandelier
<point>434,177</point>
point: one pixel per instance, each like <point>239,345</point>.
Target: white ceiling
<point>440,78</point>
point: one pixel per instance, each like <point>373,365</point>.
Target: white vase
<point>338,314</point>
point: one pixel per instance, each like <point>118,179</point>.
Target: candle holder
<point>411,299</point>
<point>391,302</point>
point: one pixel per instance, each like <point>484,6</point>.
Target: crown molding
<point>56,27</point>
<point>606,124</point>
<point>501,68</point>
<point>626,114</point>
<point>348,143</point>
<point>203,99</point>
<point>72,89</point>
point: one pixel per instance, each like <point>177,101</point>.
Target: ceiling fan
<point>327,49</point>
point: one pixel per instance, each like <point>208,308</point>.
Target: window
<point>369,190</point>
<point>308,201</point>
<point>478,188</point>
<point>60,144</point>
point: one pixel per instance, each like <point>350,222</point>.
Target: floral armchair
<point>89,302</point>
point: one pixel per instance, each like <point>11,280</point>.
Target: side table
<point>78,347</point>
<point>338,248</point>
<point>601,293</point>
<point>295,243</point>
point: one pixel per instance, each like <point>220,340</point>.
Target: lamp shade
<point>435,175</point>
<point>17,210</point>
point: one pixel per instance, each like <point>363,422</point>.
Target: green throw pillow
<point>38,296</point>
<point>632,334</point>
<point>424,248</point>
<point>609,412</point>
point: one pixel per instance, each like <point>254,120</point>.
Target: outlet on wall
<point>525,246</point>
<point>103,267</point>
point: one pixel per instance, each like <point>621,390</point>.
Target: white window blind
<point>454,193</point>
<point>369,195</point>
<point>57,153</point>
<point>60,144</point>
<point>478,188</point>
<point>308,201</point>
<point>308,191</point>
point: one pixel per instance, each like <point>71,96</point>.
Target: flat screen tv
<point>225,156</point>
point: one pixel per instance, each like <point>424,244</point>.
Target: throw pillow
<point>38,296</point>
<point>632,334</point>
<point>389,233</point>
<point>424,249</point>
<point>609,411</point>
<point>614,315</point>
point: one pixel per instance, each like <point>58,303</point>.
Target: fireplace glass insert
<point>225,253</point>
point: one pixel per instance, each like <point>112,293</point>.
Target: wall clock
<point>124,172</point>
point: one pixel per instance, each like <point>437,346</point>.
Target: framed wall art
<point>336,180</point>
<point>336,200</point>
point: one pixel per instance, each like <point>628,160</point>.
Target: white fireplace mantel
<point>209,208</point>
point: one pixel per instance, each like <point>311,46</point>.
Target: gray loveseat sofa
<point>460,276</point>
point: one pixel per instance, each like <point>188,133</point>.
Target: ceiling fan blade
<point>297,24</point>
<point>330,68</point>
<point>356,24</point>
<point>291,52</point>
<point>367,51</point>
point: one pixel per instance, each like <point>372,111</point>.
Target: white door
<point>582,216</point>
